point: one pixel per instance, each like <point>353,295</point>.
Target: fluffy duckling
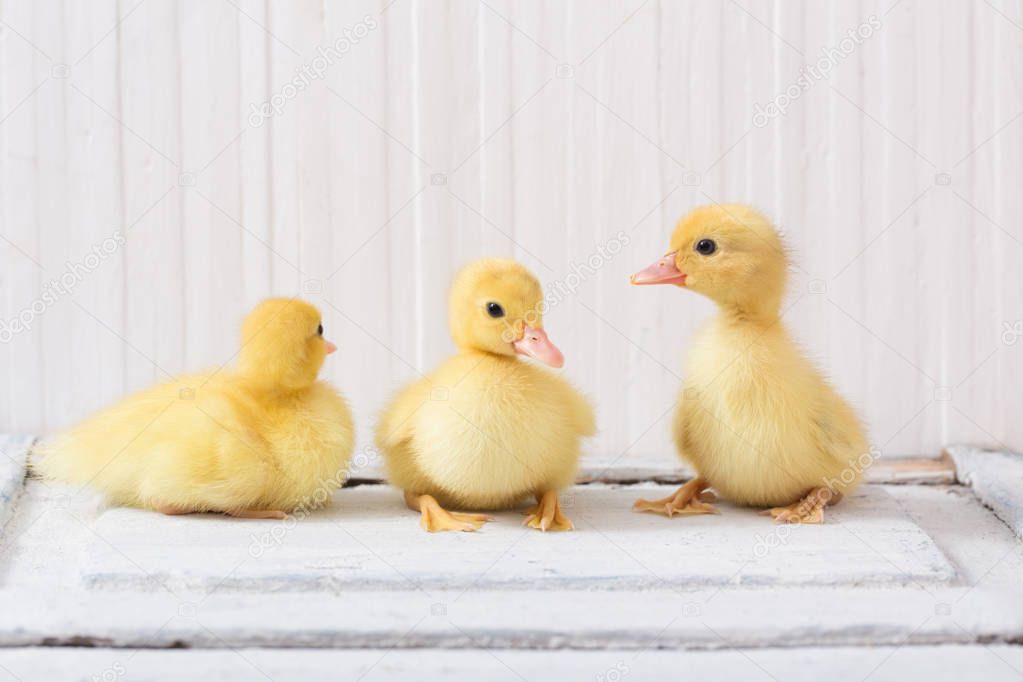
<point>255,442</point>
<point>756,419</point>
<point>485,430</point>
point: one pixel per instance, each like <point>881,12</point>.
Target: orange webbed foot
<point>810,509</point>
<point>433,518</point>
<point>691,499</point>
<point>546,515</point>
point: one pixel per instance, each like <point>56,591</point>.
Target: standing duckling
<point>485,430</point>
<point>756,419</point>
<point>255,442</point>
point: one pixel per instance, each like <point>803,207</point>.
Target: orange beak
<point>663,271</point>
<point>535,344</point>
<point>330,346</point>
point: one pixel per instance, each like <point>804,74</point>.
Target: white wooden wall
<point>538,129</point>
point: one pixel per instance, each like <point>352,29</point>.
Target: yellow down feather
<point>485,429</point>
<point>756,418</point>
<point>264,436</point>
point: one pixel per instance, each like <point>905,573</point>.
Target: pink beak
<point>330,347</point>
<point>535,344</point>
<point>663,271</point>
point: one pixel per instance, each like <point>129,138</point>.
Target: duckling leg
<point>692,498</point>
<point>174,510</point>
<point>810,509</point>
<point>257,514</point>
<point>434,518</point>
<point>546,515</point>
<point>170,509</point>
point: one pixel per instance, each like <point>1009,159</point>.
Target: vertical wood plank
<point>1007,164</point>
<point>26,72</point>
<point>793,46</point>
<point>405,186</point>
<point>969,333</point>
<point>154,305</point>
<point>618,85</point>
<point>52,109</point>
<point>311,121</point>
<point>285,57</point>
<point>933,312</point>
<point>661,322</point>
<point>977,391</point>
<point>986,399</point>
<point>210,123</point>
<point>889,251</point>
<point>254,45</point>
<point>368,153</point>
<point>842,354</point>
<point>601,119</point>
<point>448,130</point>
<point>95,138</point>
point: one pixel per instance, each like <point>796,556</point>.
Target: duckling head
<point>283,344</point>
<point>496,306</point>
<point>729,253</point>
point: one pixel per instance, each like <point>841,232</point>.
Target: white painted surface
<point>996,478</point>
<point>446,133</point>
<point>399,611</point>
<point>13,460</point>
<point>369,540</point>
<point>896,664</point>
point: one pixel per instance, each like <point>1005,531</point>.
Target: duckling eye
<point>705,247</point>
<point>319,330</point>
<point>495,309</point>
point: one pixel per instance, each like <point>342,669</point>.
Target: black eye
<point>705,247</point>
<point>495,309</point>
<point>319,330</point>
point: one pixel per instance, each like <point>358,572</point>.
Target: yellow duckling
<point>255,442</point>
<point>756,419</point>
<point>485,430</point>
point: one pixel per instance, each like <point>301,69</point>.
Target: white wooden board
<point>996,478</point>
<point>43,599</point>
<point>368,540</point>
<point>889,663</point>
<point>13,460</point>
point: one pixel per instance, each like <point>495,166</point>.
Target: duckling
<point>756,419</point>
<point>254,442</point>
<point>485,430</point>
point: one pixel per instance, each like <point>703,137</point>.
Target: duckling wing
<point>579,412</point>
<point>394,435</point>
<point>110,441</point>
<point>184,443</point>
<point>396,424</point>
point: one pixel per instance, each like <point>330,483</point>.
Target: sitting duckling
<point>485,430</point>
<point>756,419</point>
<point>255,442</point>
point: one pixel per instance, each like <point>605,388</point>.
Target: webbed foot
<point>546,515</point>
<point>810,509</point>
<point>690,499</point>
<point>257,514</point>
<point>434,518</point>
